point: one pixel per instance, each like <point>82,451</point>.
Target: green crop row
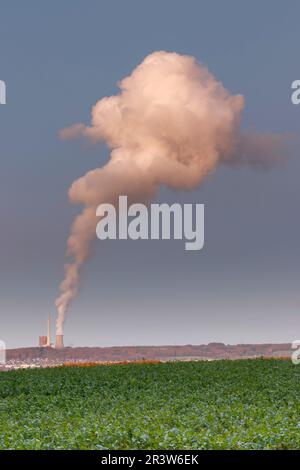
<point>247,404</point>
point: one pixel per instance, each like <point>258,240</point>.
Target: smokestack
<point>59,342</point>
<point>49,330</point>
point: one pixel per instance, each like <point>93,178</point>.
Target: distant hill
<point>130,353</point>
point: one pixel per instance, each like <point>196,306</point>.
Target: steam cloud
<point>171,124</point>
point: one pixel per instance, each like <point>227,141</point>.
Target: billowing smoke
<point>171,124</point>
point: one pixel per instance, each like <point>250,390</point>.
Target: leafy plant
<point>246,404</point>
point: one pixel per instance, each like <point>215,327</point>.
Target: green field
<point>247,404</point>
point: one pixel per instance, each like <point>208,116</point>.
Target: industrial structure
<point>59,342</point>
<point>45,341</point>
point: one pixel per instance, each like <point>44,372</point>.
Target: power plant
<point>45,341</point>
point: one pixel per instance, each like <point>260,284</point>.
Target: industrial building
<point>45,341</point>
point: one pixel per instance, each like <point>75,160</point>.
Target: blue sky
<point>57,60</point>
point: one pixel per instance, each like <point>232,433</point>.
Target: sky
<point>57,60</point>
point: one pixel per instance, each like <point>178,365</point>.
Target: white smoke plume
<point>171,124</point>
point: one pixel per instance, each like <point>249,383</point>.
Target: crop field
<point>246,404</point>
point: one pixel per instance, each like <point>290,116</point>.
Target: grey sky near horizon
<point>57,60</point>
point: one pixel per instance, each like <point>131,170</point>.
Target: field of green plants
<point>247,404</point>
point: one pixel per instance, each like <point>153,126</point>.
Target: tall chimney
<point>49,330</point>
<point>59,342</point>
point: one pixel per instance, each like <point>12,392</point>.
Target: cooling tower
<point>42,341</point>
<point>59,342</point>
